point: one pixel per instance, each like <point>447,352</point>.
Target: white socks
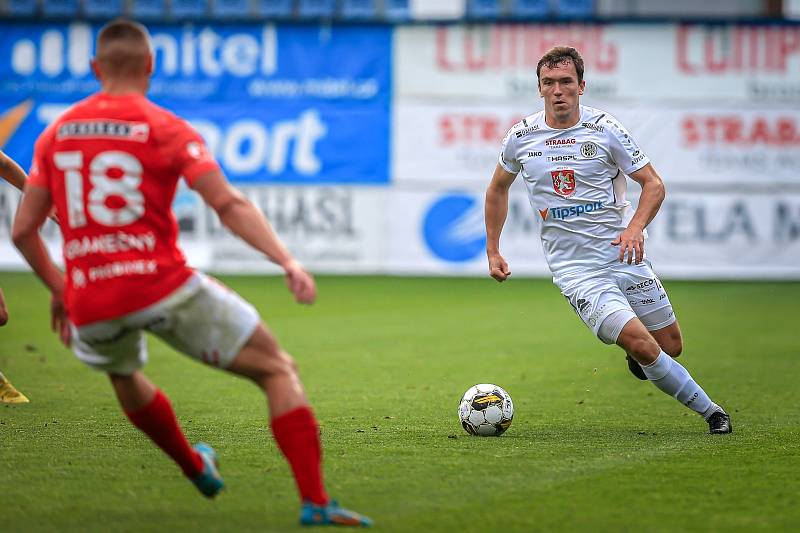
<point>669,375</point>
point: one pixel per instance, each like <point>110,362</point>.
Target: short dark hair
<point>560,54</point>
<point>123,47</point>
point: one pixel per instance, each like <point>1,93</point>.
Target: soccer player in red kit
<point>13,174</point>
<point>111,164</point>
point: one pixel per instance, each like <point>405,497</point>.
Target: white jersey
<point>576,184</point>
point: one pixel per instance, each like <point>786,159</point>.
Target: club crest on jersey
<point>564,181</point>
<point>588,150</point>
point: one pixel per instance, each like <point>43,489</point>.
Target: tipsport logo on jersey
<point>572,211</point>
<point>453,228</point>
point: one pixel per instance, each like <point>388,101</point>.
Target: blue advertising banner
<point>284,104</point>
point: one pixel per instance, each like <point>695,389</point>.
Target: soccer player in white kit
<point>574,160</point>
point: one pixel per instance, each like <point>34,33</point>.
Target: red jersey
<point>112,165</point>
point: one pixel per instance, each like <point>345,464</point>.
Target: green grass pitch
<point>385,361</point>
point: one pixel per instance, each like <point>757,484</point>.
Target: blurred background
<point>367,130</point>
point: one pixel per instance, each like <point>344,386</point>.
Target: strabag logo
<point>563,181</point>
<point>563,213</point>
<point>559,142</point>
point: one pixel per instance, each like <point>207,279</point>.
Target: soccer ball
<point>486,410</point>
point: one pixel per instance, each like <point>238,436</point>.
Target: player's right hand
<point>301,283</point>
<point>58,319</point>
<point>498,268</point>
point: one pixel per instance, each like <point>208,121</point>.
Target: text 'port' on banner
<point>301,143</point>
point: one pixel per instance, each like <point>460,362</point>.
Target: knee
<point>276,364</point>
<point>285,364</point>
<point>672,345</point>
<point>3,317</point>
<point>642,349</point>
<point>673,348</point>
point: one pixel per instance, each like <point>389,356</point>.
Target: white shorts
<point>627,290</point>
<point>202,318</point>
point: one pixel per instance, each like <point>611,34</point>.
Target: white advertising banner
<point>726,235</point>
<point>409,229</point>
<point>334,229</point>
<point>693,146</point>
<point>638,62</point>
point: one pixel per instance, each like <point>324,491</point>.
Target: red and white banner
<point>757,63</point>
<point>700,147</point>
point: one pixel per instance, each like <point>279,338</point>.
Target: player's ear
<point>149,65</point>
<point>96,70</point>
<point>581,86</point>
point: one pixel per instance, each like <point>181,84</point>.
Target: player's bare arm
<point>631,241</point>
<point>31,213</point>
<point>495,212</point>
<point>240,216</point>
<point>12,172</point>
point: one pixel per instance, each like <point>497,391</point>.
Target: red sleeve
<point>186,148</point>
<point>39,173</point>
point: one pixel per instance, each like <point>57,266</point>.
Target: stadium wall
<point>369,147</point>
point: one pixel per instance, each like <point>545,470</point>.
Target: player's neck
<point>124,86</point>
<point>563,122</point>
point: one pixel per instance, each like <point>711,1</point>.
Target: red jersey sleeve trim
<point>199,168</point>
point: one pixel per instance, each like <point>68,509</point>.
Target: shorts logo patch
<point>563,181</point>
<point>592,321</point>
<point>644,286</point>
<point>583,305</point>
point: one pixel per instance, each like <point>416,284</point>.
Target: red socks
<point>297,434</point>
<point>157,420</point>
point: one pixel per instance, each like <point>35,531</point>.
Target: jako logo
<point>186,53</point>
<point>454,228</point>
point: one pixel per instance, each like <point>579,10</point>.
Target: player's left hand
<point>300,283</point>
<point>58,319</point>
<point>631,244</point>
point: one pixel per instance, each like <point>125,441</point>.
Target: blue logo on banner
<point>209,62</point>
<point>275,103</point>
<point>454,228</point>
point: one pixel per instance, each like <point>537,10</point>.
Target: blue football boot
<point>331,515</point>
<point>209,482</point>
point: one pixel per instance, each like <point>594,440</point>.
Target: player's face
<point>561,91</point>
